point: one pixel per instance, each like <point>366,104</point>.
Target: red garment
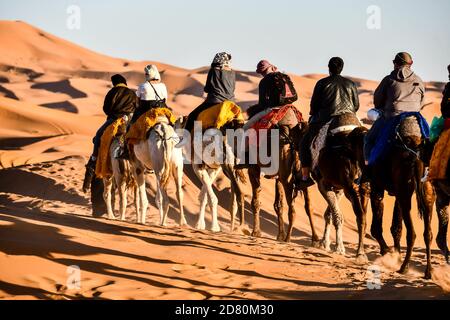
<point>273,117</point>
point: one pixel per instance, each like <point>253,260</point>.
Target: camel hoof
<point>340,251</point>
<point>362,258</point>
<point>183,223</point>
<point>315,243</point>
<point>111,218</point>
<point>122,219</point>
<point>325,245</point>
<point>281,237</point>
<point>403,270</point>
<point>215,228</point>
<point>200,226</point>
<point>427,275</point>
<point>256,234</point>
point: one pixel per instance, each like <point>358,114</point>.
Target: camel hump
<point>344,123</point>
<point>409,127</point>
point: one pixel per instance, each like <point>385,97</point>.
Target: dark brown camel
<point>284,185</point>
<point>340,163</point>
<point>400,173</point>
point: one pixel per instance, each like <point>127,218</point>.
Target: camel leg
<point>376,199</point>
<point>178,177</point>
<point>201,225</point>
<point>429,197</point>
<point>137,200</point>
<point>290,199</point>
<point>332,199</point>
<point>254,173</point>
<point>233,209</point>
<point>442,204</point>
<point>352,194</point>
<point>405,208</point>
<point>278,206</point>
<point>107,197</point>
<point>314,238</point>
<point>123,191</point>
<point>140,180</point>
<point>396,227</point>
<point>238,195</point>
<point>207,178</point>
<point>325,242</point>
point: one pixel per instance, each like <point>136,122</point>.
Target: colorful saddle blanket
<point>388,135</point>
<point>220,114</point>
<point>103,167</point>
<point>139,130</point>
<point>287,115</point>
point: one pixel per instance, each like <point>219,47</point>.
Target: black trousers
<point>305,144</point>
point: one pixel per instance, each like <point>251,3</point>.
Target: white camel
<point>158,152</point>
<point>124,180</point>
<point>207,167</point>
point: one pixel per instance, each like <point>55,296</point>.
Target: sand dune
<point>51,97</point>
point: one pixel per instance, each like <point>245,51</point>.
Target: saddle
<point>103,167</point>
<point>389,135</point>
<point>333,134</point>
<point>220,115</point>
<point>140,130</point>
<point>285,118</point>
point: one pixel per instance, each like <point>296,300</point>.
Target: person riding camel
<point>152,93</point>
<point>400,92</point>
<point>220,86</point>
<point>333,96</point>
<point>120,101</point>
<point>272,94</point>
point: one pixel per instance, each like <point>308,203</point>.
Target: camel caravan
<point>400,153</point>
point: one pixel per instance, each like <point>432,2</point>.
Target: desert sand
<point>51,97</point>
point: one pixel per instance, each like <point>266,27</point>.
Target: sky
<point>298,36</point>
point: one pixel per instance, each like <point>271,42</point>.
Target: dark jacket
<point>445,104</point>
<point>220,85</point>
<point>401,91</point>
<point>269,95</point>
<point>119,101</point>
<point>333,96</point>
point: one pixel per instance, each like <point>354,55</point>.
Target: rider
<point>269,98</point>
<point>401,91</point>
<point>119,101</point>
<point>152,93</point>
<point>332,96</point>
<point>220,86</point>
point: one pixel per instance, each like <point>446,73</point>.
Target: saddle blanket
<point>220,114</point>
<point>387,135</point>
<point>440,157</point>
<point>138,130</point>
<point>339,124</point>
<point>103,166</point>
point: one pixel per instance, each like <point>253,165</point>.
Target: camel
<point>442,188</point>
<point>400,173</point>
<point>123,179</point>
<point>284,185</point>
<point>158,153</point>
<point>207,167</point>
<point>339,164</point>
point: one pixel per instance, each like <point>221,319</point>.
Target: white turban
<point>152,73</point>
